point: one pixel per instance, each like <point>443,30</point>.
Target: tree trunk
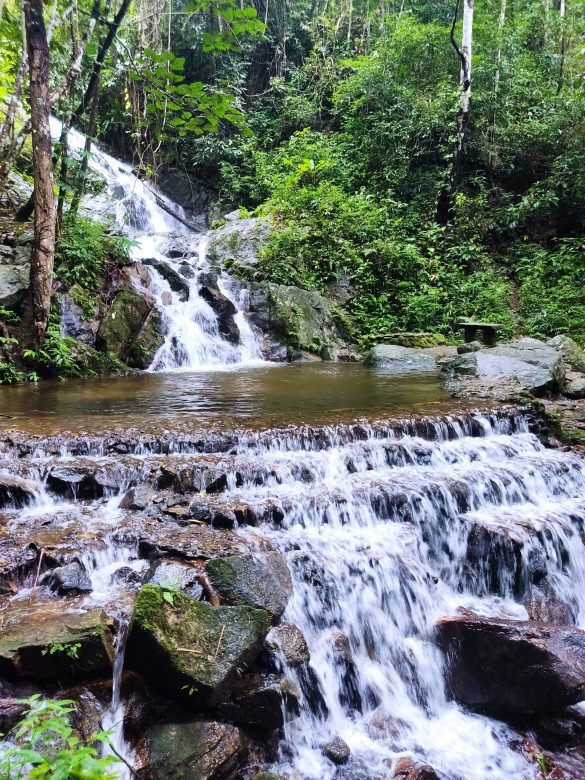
<point>562,12</point>
<point>465,74</point>
<point>41,274</point>
<point>497,76</point>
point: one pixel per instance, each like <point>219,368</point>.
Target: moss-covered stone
<point>267,776</point>
<point>261,580</point>
<point>189,649</point>
<point>41,644</point>
<point>203,750</point>
<point>122,323</point>
<point>147,341</point>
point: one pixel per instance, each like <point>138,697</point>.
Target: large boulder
<point>201,750</point>
<point>14,274</point>
<point>574,385</point>
<point>570,351</point>
<point>496,372</point>
<point>503,667</point>
<point>75,322</point>
<point>400,360</point>
<point>235,245</point>
<point>189,649</point>
<point>262,580</point>
<point>130,329</point>
<point>41,643</point>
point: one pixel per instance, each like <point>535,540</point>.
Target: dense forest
<point>427,155</point>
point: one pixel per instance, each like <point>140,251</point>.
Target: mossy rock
<point>189,649</point>
<point>43,644</point>
<point>412,340</point>
<point>147,342</point>
<point>261,580</point>
<point>122,323</point>
<point>267,776</point>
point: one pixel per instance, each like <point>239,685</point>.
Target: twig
<point>188,650</point>
<point>219,642</point>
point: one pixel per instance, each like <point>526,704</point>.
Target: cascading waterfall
<point>378,538</point>
<point>162,233</point>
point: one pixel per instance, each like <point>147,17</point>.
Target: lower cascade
<point>424,579</point>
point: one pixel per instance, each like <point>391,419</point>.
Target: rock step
<point>433,428</point>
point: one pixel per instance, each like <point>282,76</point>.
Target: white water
<point>377,534</point>
<point>160,229</point>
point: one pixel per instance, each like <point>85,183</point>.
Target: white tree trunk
<point>466,52</point>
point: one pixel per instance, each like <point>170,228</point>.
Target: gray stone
<point>17,491</point>
<point>260,701</point>
<point>201,750</point>
<point>177,282</point>
<point>400,360</point>
<point>570,351</point>
<point>68,579</point>
<point>73,320</point>
<point>574,385</point>
<point>176,575</point>
<point>14,274</point>
<point>262,580</point>
<point>471,346</point>
<point>337,751</point>
<point>289,641</point>
<point>235,246</point>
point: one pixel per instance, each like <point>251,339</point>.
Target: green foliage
<point>70,649</point>
<point>43,745</point>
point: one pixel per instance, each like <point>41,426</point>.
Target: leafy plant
<point>43,745</point>
<point>70,649</point>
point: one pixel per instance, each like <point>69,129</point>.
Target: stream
<point>374,488</point>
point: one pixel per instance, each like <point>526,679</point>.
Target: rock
<point>235,246</point>
<point>11,712</point>
<point>505,666</point>
<point>176,575</point>
<point>302,319</point>
<point>225,311</point>
<point>188,649</point>
<point>187,271</point>
<point>290,642</point>
<point>71,578</point>
<point>41,643</point>
<point>74,481</point>
<point>522,365</point>
<point>201,750</point>
<point>176,281</point>
<point>16,491</point>
<point>166,298</point>
<point>74,322</point>
<point>470,346</point>
<point>337,751</point>
<point>262,580</point>
<point>570,351</point>
<point>260,701</point>
<point>400,360</point>
<point>14,274</point>
<point>574,385</point>
<point>268,776</point>
<point>138,498</point>
<point>543,606</point>
<point>146,342</point>
<point>122,323</point>
<point>408,769</point>
<point>126,575</point>
<point>412,340</point>
<point>187,191</point>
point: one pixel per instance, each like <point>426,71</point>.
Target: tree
<point>41,274</point>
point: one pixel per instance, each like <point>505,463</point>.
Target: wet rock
<point>261,580</point>
<point>125,575</point>
<point>235,245</point>
<point>570,351</point>
<point>166,298</point>
<point>188,649</point>
<point>341,648</point>
<point>146,342</point>
<point>260,701</point>
<point>290,642</point>
<point>225,311</point>
<point>88,712</point>
<point>337,751</point>
<point>74,321</point>
<point>201,750</point>
<point>157,540</point>
<point>74,481</point>
<point>177,283</point>
<point>176,575</point>
<point>400,360</point>
<point>138,498</point>
<point>41,642</point>
<point>16,491</point>
<point>268,776</point>
<point>408,769</point>
<point>69,579</point>
<point>187,271</point>
<point>11,712</point>
<point>543,606</point>
<point>122,323</point>
<point>201,510</point>
<point>14,274</point>
<point>506,666</point>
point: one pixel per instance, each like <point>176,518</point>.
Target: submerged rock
<point>262,580</point>
<point>43,643</point>
<point>408,769</point>
<point>400,360</point>
<point>188,649</point>
<point>505,666</point>
<point>201,750</point>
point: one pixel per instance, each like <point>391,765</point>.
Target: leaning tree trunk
<point>41,273</point>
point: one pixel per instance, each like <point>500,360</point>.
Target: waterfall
<point>169,245</point>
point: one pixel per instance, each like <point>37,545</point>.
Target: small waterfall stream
<point>160,228</point>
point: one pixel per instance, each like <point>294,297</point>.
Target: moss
<point>267,776</point>
<point>404,339</point>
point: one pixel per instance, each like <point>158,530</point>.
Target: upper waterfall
<point>169,247</point>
